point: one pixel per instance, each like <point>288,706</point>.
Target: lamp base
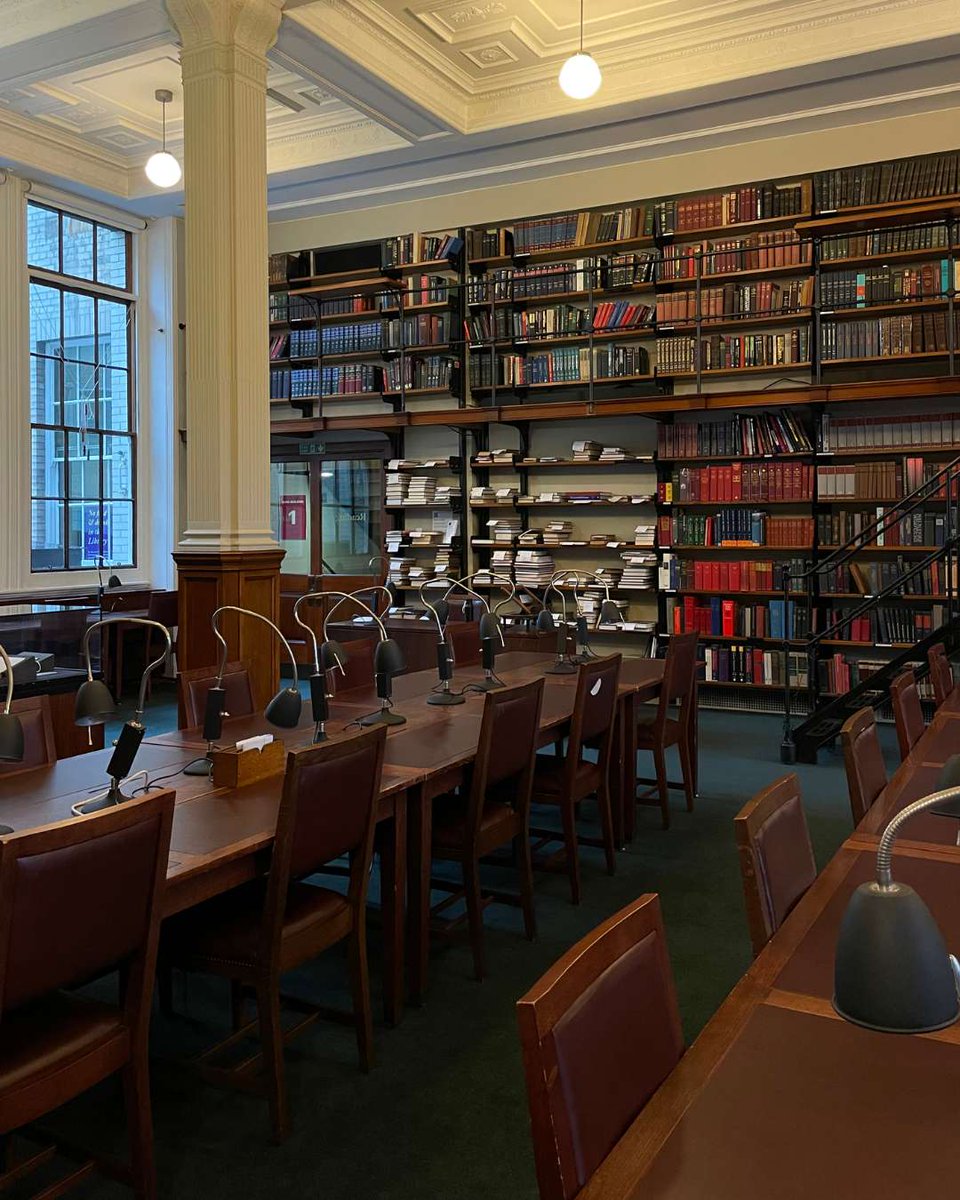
<point>484,685</point>
<point>562,668</point>
<point>108,799</point>
<point>203,766</point>
<point>788,752</point>
<point>446,698</point>
<point>383,717</point>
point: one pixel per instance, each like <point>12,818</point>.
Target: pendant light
<point>580,76</point>
<point>162,168</point>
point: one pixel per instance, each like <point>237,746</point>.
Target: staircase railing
<point>944,484</point>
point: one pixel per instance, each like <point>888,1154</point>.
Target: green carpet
<point>443,1114</point>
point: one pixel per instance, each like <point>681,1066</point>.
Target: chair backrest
<point>163,607</point>
<point>328,808</point>
<point>599,1033</point>
<point>594,712</point>
<point>941,673</point>
<point>81,898</point>
<point>776,858</point>
<point>39,744</point>
<point>463,638</point>
<point>194,685</point>
<point>863,760</point>
<point>358,669</point>
<point>135,600</point>
<point>679,678</point>
<point>507,748</point>
<point>907,711</point>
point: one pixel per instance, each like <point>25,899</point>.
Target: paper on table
<point>255,743</point>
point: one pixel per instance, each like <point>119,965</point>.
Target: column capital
<point>249,25</point>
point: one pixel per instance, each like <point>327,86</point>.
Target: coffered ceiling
<point>374,98</point>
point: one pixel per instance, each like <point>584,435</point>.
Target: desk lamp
<point>441,611</point>
<point>387,658</point>
<point>491,635</point>
<point>388,585</point>
<point>11,731</point>
<point>94,704</point>
<point>546,622</point>
<point>892,970</point>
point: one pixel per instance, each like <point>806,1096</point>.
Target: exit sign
<point>307,448</point>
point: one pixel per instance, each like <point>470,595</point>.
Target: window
<point>82,417</point>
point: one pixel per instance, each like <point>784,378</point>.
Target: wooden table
<point>779,1097</point>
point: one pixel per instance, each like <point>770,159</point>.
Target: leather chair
<point>600,1032</point>
<point>863,760</point>
<point>78,900</point>
<point>39,745</point>
<point>358,669</point>
<point>776,858</point>
<point>907,711</point>
<point>256,932</point>
<point>662,730</point>
<point>492,810</point>
<point>195,684</point>
<point>566,781</point>
<point>941,673</point>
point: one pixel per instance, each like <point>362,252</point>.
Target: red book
<point>728,618</point>
<point>735,577</point>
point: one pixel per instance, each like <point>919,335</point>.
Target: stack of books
<point>558,532</point>
<point>644,535</point>
<point>534,568</point>
<point>480,494</point>
<point>504,530</point>
<point>400,570</point>
<point>601,539</point>
<point>396,491</point>
<point>616,454</point>
<point>447,493</point>
<point>530,537</point>
<point>608,575</point>
<point>393,539</point>
<point>586,451</point>
<point>425,537</point>
<point>486,458</point>
<point>447,563</point>
<point>640,571</point>
<point>421,490</point>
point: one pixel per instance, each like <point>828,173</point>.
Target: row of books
<point>734,351</point>
<point>500,324</point>
<point>889,182</point>
<point>717,617</point>
<point>418,289</point>
<point>880,480</point>
<point>765,298</point>
<point>678,574</point>
<point>577,229</point>
<point>790,480</point>
<point>754,252</point>
<point>871,577</point>
<point>352,379</point>
<point>898,336</point>
<point>838,675</point>
<point>752,665</point>
<point>295,383</point>
<point>887,285</point>
<point>883,432</point>
<point>694,529</point>
<point>419,329</point>
<point>570,364</point>
<point>420,247</point>
<point>897,240</point>
<point>760,434</point>
<point>915,529</point>
<point>886,624</point>
<point>284,307</point>
<point>754,202</point>
<point>434,371</point>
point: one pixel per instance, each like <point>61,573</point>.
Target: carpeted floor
<point>443,1114</point>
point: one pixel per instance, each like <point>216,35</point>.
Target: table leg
<point>629,768</point>
<point>696,739</point>
<point>392,844</point>
<point>420,827</point>
<point>617,799</point>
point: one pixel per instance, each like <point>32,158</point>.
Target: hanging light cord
<point>581,26</point>
<point>163,103</point>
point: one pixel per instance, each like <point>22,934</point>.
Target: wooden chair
<point>863,760</point>
<point>600,1032</point>
<point>39,744</point>
<point>570,779</point>
<point>77,900</point>
<point>165,608</point>
<point>463,637</point>
<point>195,684</point>
<point>941,673</point>
<point>907,711</point>
<point>256,932</point>
<point>776,858</point>
<point>662,730</point>
<point>493,809</point>
<point>358,669</point>
<point>135,602</point>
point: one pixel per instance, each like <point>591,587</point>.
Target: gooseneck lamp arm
<point>889,836</point>
<point>11,730</point>
<point>343,597</point>
<point>285,707</point>
<point>463,586</point>
<point>387,659</point>
<point>148,669</point>
<point>247,612</point>
<point>441,695</point>
<point>8,667</point>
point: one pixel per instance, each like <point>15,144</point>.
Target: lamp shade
<point>545,621</point>
<point>285,708</point>
<point>892,971</point>
<point>114,581</point>
<point>162,169</point>
<point>580,76</point>
<point>332,654</point>
<point>388,658</point>
<point>490,627</point>
<point>609,613</point>
<point>11,738</point>
<point>94,703</point>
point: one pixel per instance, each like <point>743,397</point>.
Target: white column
<point>14,387</point>
<point>225,180</point>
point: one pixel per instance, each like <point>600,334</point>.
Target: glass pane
<point>78,332</point>
<point>111,256</point>
<point>118,468</point>
<point>112,349</point>
<point>77,247</point>
<point>46,544</point>
<point>46,462</point>
<point>83,468</point>
<point>45,391</point>
<point>114,399</point>
<point>352,492</point>
<point>290,514</point>
<point>43,237</point>
<point>85,541</point>
<point>44,320</point>
<point>118,533</point>
<point>79,395</point>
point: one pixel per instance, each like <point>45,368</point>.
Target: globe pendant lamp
<point>162,168</point>
<point>580,76</point>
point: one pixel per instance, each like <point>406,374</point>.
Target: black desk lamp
<point>441,611</point>
<point>892,970</point>
<point>387,658</point>
<point>95,703</point>
<point>11,731</point>
<point>609,613</point>
<point>546,622</point>
<point>491,634</point>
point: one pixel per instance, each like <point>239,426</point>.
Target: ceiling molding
<point>56,154</point>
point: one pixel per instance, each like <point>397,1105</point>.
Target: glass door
<point>290,514</point>
<point>351,499</point>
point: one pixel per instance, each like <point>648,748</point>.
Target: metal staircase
<point>830,712</point>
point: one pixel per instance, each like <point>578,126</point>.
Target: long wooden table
<point>779,1097</point>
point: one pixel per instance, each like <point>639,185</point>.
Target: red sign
<point>293,518</point>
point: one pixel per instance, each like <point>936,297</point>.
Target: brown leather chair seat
<point>549,777</point>
<point>450,821</point>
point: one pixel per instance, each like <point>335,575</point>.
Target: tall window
<point>82,414</point>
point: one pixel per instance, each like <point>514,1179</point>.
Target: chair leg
<point>524,861</point>
<point>271,1037</point>
<point>686,767</point>
<point>471,881</point>
<point>573,850</point>
<point>660,763</point>
<point>360,982</point>
<point>136,1092</point>
<point>165,989</point>
<point>606,824</point>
